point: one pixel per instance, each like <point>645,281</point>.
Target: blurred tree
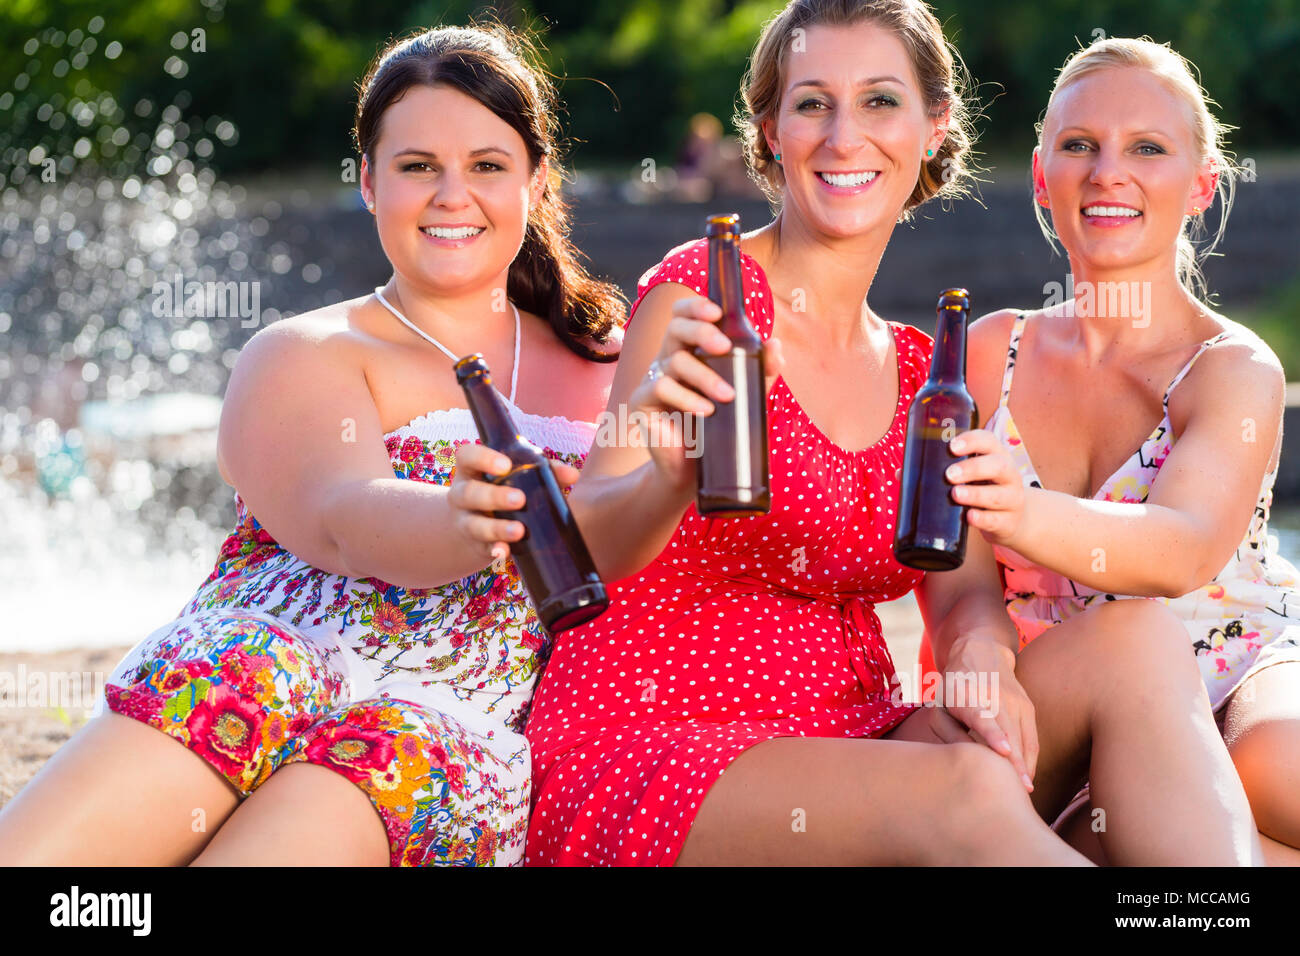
<point>284,71</point>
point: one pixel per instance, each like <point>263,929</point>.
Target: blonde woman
<point>1130,451</point>
<point>734,705</point>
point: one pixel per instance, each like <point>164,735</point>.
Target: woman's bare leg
<point>833,801</point>
<point>118,792</point>
<point>303,815</point>
<point>1077,831</point>
<point>1262,731</point>
<point>1120,702</point>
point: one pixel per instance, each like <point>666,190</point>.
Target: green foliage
<point>1277,322</point>
<point>634,71</point>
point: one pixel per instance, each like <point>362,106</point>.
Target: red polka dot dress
<point>741,631</point>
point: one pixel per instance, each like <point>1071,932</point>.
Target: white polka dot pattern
<point>742,630</point>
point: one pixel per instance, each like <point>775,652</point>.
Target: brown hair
<point>499,67</point>
<point>938,67</point>
<point>1176,73</point>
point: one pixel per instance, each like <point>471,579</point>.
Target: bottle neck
<point>725,287</point>
<point>495,426</point>
<point>949,363</point>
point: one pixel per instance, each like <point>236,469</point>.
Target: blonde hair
<point>1165,63</point>
<point>938,68</point>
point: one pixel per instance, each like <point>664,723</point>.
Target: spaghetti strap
<point>1013,348</point>
<point>1190,362</point>
<point>514,369</point>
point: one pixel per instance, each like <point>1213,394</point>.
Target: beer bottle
<point>732,470</point>
<point>931,528</point>
<point>552,558</point>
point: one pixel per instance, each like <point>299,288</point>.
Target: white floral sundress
<point>419,696</point>
<point>1245,619</point>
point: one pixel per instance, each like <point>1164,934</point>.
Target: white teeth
<point>1110,211</point>
<point>462,232</point>
<point>847,179</point>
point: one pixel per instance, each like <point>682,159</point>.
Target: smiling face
<point>852,129</point>
<point>452,185</point>
<point>1120,169</point>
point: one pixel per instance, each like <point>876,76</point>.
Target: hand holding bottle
<point>476,500</point>
<point>680,382</point>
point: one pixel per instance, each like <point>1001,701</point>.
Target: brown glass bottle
<point>732,469</point>
<point>552,558</point>
<point>931,529</point>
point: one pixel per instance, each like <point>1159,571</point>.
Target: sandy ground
<point>30,735</point>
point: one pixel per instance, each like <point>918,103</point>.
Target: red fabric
<point>732,636</point>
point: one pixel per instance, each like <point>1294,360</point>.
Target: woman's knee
<point>236,689</point>
<point>1267,757</point>
<point>981,792</point>
<point>1142,638</point>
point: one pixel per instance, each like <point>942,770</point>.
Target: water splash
<point>105,529</point>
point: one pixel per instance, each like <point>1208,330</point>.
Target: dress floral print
<point>418,696</point>
<point>1245,619</point>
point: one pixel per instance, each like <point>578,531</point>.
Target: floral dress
<point>418,696</point>
<point>742,630</point>
<point>1245,619</point>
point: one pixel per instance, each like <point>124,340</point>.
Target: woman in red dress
<point>728,706</point>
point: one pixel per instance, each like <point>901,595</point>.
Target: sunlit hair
<point>1161,60</point>
<point>939,71</point>
<point>500,67</point>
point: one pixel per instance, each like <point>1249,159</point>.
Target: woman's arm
<point>636,485</point>
<point>974,645</point>
<point>1197,510</point>
<point>301,440</point>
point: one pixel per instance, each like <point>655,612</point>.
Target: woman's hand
<point>996,505</point>
<point>988,704</point>
<point>686,386</point>
<point>474,499</point>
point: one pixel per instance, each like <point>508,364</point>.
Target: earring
<point>1196,210</point>
<point>371,205</point>
<point>778,157</point>
<point>929,152</point>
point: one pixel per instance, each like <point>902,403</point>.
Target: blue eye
<point>1069,147</point>
<point>1153,146</point>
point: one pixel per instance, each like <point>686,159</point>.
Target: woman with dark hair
<point>350,683</point>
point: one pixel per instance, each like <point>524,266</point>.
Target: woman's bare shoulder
<point>335,322</point>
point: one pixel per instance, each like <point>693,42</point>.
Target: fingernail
<point>957,445</point>
<point>498,552</point>
<point>726,392</point>
<point>1028,783</point>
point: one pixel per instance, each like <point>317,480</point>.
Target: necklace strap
<point>514,371</point>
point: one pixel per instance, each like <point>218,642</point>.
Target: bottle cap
<point>955,299</point>
<point>471,366</point>
<point>724,224</point>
